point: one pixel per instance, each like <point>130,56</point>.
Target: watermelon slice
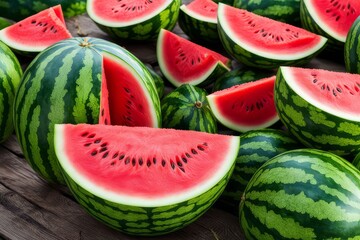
<point>134,20</point>
<point>37,32</point>
<point>182,61</point>
<point>246,106</point>
<point>144,181</point>
<point>198,20</point>
<point>263,42</point>
<point>332,19</point>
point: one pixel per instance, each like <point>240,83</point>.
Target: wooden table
<point>30,208</point>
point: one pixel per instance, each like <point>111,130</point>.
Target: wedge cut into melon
<point>182,61</point>
<point>37,32</point>
<point>144,181</point>
<point>263,42</point>
<point>247,106</point>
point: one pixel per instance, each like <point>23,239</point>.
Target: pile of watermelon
<point>235,113</point>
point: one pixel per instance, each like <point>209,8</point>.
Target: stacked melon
<point>160,162</point>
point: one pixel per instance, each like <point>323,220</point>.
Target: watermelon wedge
<point>247,106</point>
<point>263,42</point>
<point>182,61</point>
<point>144,181</point>
<point>37,32</point>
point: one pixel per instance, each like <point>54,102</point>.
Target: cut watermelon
<point>144,181</point>
<point>331,19</point>
<point>263,42</point>
<point>182,61</point>
<point>136,19</point>
<point>247,106</point>
<point>37,32</point>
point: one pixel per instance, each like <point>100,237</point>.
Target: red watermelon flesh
<point>141,162</point>
<point>35,33</point>
<point>121,12</point>
<point>124,101</point>
<point>335,16</point>
<point>204,8</point>
<point>267,35</point>
<point>335,92</point>
<point>246,106</point>
<point>185,60</point>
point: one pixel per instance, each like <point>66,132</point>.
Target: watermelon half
<point>37,32</point>
<point>144,181</point>
<point>246,106</point>
<point>182,61</point>
<point>263,42</point>
<point>329,18</point>
<point>134,20</point>
<point>320,107</point>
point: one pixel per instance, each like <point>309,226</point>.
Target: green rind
<point>158,80</point>
<point>305,193</point>
<point>356,161</point>
<point>186,107</point>
<point>308,23</point>
<point>146,221</point>
<point>10,77</point>
<point>256,148</point>
<point>147,30</point>
<point>250,59</point>
<point>239,76</point>
<point>352,48</point>
<point>21,9</point>
<point>287,11</point>
<point>197,29</point>
<point>62,85</point>
<point>312,126</point>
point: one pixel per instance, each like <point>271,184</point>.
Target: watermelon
<point>37,32</point>
<point>247,106</point>
<point>329,18</point>
<point>238,76</point>
<point>80,80</point>
<point>351,55</point>
<point>182,61</point>
<point>287,11</point>
<point>187,108</point>
<point>144,181</point>
<point>356,161</point>
<point>263,42</point>
<point>134,20</point>
<point>198,20</point>
<point>158,80</point>
<point>256,148</point>
<point>320,108</point>
<point>4,22</point>
<point>17,10</point>
<point>304,193</point>
<point>10,77</point>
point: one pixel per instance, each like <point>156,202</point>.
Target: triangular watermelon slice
<point>182,61</point>
<point>141,180</point>
<point>37,32</point>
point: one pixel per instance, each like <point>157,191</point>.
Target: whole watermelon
<point>302,194</point>
<point>63,85</point>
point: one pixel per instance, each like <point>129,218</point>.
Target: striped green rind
<point>239,52</point>
<point>239,76</point>
<point>20,9</point>
<point>4,22</point>
<point>10,77</point>
<point>256,148</point>
<point>309,23</point>
<point>356,161</point>
<point>302,194</point>
<point>352,48</point>
<point>287,11</point>
<point>158,80</point>
<point>197,29</point>
<point>312,126</point>
<point>63,85</point>
<point>147,221</point>
<point>186,107</point>
<point>148,29</point>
